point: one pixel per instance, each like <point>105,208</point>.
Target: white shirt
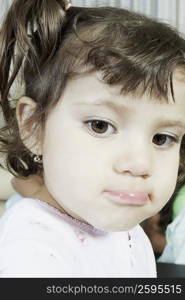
<point>37,240</point>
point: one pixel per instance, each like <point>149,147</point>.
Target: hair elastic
<point>68,5</point>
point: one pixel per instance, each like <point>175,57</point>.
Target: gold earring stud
<point>37,159</point>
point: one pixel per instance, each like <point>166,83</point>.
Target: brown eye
<point>159,139</point>
<point>100,127</point>
<point>164,140</point>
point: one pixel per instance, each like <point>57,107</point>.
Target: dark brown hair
<point>44,45</point>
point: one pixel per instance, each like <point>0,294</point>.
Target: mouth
<point>128,197</point>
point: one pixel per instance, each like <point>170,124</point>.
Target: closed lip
<point>128,197</point>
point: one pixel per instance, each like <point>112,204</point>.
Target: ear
<point>30,133</point>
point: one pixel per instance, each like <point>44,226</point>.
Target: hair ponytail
<point>29,34</point>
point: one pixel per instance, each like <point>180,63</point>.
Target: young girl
<point>100,122</point>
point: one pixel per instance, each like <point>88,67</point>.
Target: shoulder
<point>26,213</point>
<point>32,237</point>
<point>27,218</point>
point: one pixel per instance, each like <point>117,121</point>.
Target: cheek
<point>166,178</point>
<point>72,167</point>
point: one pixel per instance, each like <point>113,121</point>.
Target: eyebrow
<point>118,107</point>
<point>171,123</point>
<point>100,102</point>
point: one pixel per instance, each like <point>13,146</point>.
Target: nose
<point>135,161</point>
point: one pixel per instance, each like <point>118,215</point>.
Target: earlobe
<point>29,130</point>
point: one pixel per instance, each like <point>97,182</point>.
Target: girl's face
<point>112,160</point>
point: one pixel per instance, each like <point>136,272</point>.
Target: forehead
<point>179,87</point>
<point>90,88</point>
